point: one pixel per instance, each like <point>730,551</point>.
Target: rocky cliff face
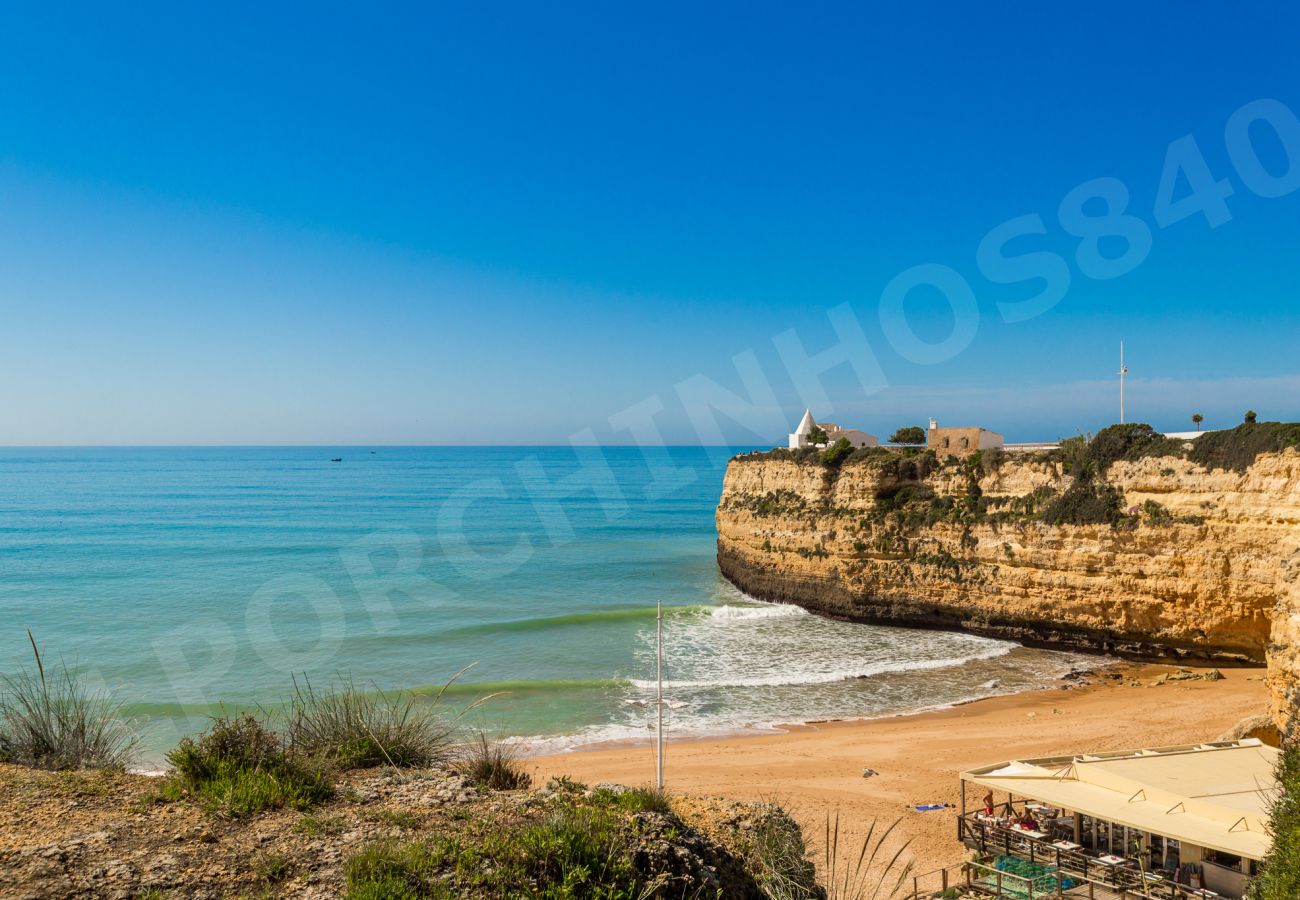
<point>1284,651</point>
<point>1198,564</point>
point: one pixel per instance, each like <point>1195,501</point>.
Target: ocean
<point>191,582</point>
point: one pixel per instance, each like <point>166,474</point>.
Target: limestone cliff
<point>1194,563</point>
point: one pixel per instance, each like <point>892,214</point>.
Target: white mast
<point>659,691</point>
<point>1123,370</point>
<point>659,701</point>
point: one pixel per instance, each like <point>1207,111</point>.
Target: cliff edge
<point>1131,543</point>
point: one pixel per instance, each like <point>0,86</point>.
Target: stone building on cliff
<point>960,442</point>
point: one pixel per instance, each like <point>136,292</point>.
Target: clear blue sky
<point>499,223</point>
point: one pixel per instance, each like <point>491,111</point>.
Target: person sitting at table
<point>1028,822</point>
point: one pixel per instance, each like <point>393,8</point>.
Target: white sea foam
<point>792,674</point>
<point>766,611</point>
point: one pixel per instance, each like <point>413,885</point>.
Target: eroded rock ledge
<point>1199,563</point>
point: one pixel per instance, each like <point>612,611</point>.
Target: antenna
<point>1123,370</point>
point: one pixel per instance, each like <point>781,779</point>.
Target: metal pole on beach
<point>659,692</point>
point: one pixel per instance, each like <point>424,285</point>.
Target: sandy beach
<point>813,770</point>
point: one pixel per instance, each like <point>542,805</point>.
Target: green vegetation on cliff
<point>238,767</point>
<point>1088,498</point>
<point>1239,448</point>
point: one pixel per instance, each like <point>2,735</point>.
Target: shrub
<point>273,867</point>
<point>778,856</point>
<point>1236,450</point>
<point>493,765</point>
<point>1128,442</point>
<point>634,799</point>
<point>1156,513</point>
<point>1074,455</point>
<point>240,768</point>
<point>991,460</point>
<point>835,455</point>
<point>353,729</point>
<point>1279,874</point>
<point>1087,502</point>
<point>912,434</point>
<point>54,722</point>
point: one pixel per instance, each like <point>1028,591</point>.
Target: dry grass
<point>492,765</point>
<point>51,721</point>
<point>355,729</point>
<point>875,872</point>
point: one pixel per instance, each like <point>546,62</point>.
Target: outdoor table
<point>1111,860</point>
<point>1036,835</point>
<point>1066,845</point>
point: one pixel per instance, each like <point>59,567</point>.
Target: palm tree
<point>1197,419</point>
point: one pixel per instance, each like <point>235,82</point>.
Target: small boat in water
<point>337,459</point>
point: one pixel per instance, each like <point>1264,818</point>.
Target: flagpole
<point>1123,370</point>
<point>659,691</point>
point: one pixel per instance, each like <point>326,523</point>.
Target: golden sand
<point>816,770</point>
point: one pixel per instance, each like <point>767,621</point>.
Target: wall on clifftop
<point>1200,564</point>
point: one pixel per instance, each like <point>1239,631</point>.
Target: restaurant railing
<point>1124,879</point>
<point>936,882</point>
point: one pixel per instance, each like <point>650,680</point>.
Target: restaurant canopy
<point>1212,795</point>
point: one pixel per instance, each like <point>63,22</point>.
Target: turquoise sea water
<point>191,580</point>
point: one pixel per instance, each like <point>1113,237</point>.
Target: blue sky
<point>499,223</point>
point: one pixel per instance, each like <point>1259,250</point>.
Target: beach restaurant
<point>1167,822</point>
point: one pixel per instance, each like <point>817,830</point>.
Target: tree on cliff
<point>1197,419</point>
<point>1251,416</point>
<point>1279,875</point>
<point>912,434</point>
<point>835,455</point>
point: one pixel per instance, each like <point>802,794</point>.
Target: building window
<point>965,443</point>
<point>945,443</point>
<point>1227,860</point>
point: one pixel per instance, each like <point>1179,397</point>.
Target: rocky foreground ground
<point>105,834</point>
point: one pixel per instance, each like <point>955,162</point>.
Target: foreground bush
<point>56,723</point>
<point>1279,876</point>
<point>240,768</point>
<point>492,765</point>
<point>577,850</point>
<point>353,729</point>
<point>577,844</point>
